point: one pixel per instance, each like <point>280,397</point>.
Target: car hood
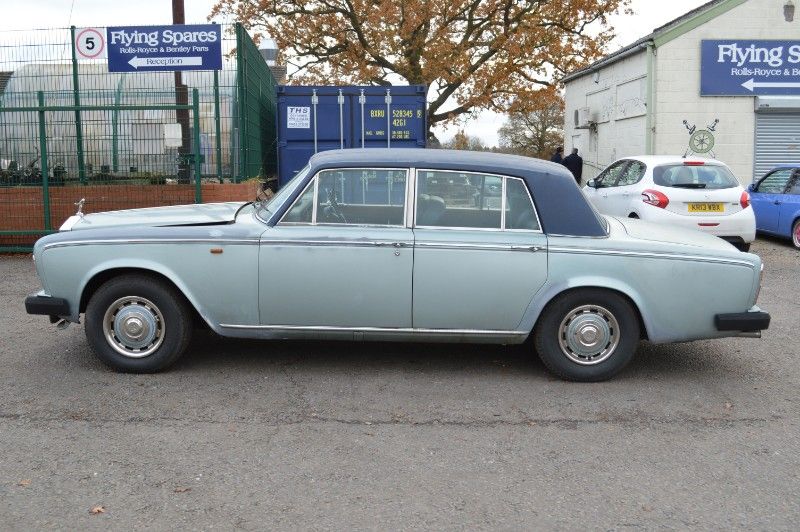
<point>641,230</point>
<point>178,215</point>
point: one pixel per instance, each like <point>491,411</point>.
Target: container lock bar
<point>314,102</point>
<point>388,118</point>
<point>341,119</point>
<point>362,100</point>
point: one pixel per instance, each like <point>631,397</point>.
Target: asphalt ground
<point>341,436</point>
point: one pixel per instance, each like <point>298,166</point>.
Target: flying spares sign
<point>164,48</point>
<point>747,68</point>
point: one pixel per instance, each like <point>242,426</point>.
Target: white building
<point>732,61</point>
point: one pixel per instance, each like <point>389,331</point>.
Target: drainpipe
<point>651,100</point>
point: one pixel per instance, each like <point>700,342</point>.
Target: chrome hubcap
<point>133,326</point>
<point>588,335</point>
<point>796,235</point>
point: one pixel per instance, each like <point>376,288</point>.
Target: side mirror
<point>591,183</point>
<point>751,187</point>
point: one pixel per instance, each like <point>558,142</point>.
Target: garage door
<point>777,140</point>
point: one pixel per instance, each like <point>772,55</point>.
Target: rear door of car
<point>626,189</point>
<point>602,194</point>
<point>342,255</point>
<point>767,197</point>
<point>479,252</point>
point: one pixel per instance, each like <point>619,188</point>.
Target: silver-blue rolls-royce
<point>400,244</point>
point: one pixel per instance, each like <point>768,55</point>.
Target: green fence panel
<point>70,129</point>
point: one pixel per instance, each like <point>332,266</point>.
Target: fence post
<point>78,126</point>
<point>217,127</point>
<point>43,154</point>
<point>115,124</point>
<point>198,169</point>
<point>241,92</point>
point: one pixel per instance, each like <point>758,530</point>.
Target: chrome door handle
<point>532,249</point>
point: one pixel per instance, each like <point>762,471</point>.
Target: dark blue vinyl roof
<point>562,207</point>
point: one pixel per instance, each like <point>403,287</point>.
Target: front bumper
<point>46,305</point>
<point>742,321</point>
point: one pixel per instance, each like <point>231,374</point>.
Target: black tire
<point>590,307</point>
<point>743,246</point>
<point>161,309</point>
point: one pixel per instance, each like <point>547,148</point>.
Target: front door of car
<point>790,205</point>
<point>341,256</point>
<point>479,253</point>
<point>602,194</point>
<point>767,198</point>
<point>626,189</point>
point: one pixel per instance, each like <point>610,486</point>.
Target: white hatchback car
<point>693,193</point>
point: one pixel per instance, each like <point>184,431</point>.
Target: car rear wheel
<point>137,324</point>
<point>743,246</point>
<point>587,335</point>
<point>796,234</point>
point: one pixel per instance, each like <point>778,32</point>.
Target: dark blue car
<point>776,202</point>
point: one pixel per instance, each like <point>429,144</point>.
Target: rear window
<point>705,177</point>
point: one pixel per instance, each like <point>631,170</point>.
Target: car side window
<point>352,197</point>
<point>302,210</point>
<point>794,184</point>
<point>520,213</point>
<point>775,183</point>
<point>632,174</point>
<point>609,176</point>
<point>458,200</point>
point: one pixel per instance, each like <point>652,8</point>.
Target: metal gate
<point>777,140</point>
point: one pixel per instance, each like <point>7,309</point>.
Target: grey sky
<point>649,14</point>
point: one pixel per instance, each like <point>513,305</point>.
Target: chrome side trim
<point>338,243</point>
<point>110,242</point>
<point>400,330</point>
<point>481,247</point>
<point>649,255</point>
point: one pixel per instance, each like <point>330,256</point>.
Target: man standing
<point>557,158</point>
<point>574,164</point>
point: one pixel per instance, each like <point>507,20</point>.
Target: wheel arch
<point>100,277</point>
<point>543,300</point>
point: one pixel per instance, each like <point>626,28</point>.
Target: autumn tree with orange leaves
<point>472,54</point>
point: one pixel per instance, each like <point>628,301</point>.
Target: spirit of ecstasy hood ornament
<point>79,204</point>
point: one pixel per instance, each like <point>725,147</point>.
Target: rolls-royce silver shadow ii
<point>402,245</point>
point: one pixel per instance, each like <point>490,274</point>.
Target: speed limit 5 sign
<point>90,43</point>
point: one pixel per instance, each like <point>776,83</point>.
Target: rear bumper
<point>46,305</point>
<point>742,321</point>
<point>740,226</point>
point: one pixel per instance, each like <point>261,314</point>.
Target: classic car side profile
<point>398,244</point>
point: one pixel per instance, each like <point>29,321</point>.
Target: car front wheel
<point>587,335</point>
<point>796,234</point>
<point>137,324</point>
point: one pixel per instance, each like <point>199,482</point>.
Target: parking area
<point>359,435</point>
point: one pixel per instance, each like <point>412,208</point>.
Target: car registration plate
<point>706,207</point>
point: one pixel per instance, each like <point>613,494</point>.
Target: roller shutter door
<point>777,140</point>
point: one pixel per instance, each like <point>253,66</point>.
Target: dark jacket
<point>574,164</point>
<point>556,158</point>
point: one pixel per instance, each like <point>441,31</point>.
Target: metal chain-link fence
<point>70,129</point>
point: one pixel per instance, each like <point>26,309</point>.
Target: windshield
<point>265,208</point>
<point>706,176</point>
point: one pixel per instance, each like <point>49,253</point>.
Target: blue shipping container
<point>312,119</point>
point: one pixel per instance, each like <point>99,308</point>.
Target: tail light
<point>694,163</point>
<point>744,201</point>
<point>656,198</point>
